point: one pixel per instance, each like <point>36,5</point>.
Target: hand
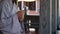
<point>20,15</point>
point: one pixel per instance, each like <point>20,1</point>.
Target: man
<point>9,22</point>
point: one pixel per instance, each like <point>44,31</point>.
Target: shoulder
<point>6,4</point>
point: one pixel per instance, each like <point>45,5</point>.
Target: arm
<point>6,14</point>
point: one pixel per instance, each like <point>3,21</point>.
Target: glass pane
<point>19,4</point>
<point>31,5</point>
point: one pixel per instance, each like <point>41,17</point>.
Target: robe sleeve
<point>8,11</point>
<point>9,18</point>
<point>5,14</point>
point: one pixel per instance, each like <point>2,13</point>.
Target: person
<point>9,19</point>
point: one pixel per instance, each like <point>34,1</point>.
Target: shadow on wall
<point>58,25</point>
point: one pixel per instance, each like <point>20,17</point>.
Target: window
<point>32,5</point>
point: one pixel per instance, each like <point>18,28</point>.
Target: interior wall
<point>44,17</point>
<point>48,26</point>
